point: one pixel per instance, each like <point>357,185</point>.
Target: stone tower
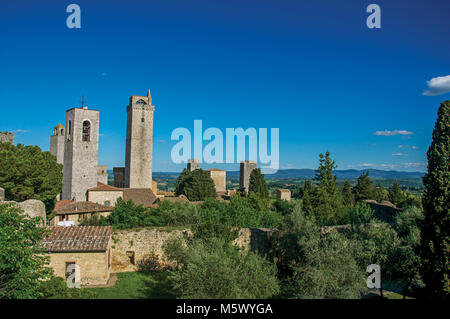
<point>139,147</point>
<point>80,153</point>
<point>246,168</point>
<point>57,143</point>
<point>7,137</point>
<point>193,164</point>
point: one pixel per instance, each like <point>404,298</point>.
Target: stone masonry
<point>80,153</point>
<point>139,144</point>
<point>7,137</point>
<point>246,168</point>
<point>57,143</point>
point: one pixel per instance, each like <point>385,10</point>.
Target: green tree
<point>327,200</point>
<point>196,185</point>
<point>257,184</point>
<point>329,270</point>
<point>380,194</point>
<point>364,188</point>
<point>435,228</point>
<point>23,264</point>
<point>360,214</point>
<point>127,215</point>
<point>396,195</point>
<point>56,288</point>
<point>347,195</point>
<point>28,173</point>
<point>307,197</point>
<point>230,272</point>
<point>407,261</point>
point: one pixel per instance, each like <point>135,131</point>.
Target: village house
<point>86,247</point>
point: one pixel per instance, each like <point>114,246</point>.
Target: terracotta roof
<point>59,126</point>
<point>61,203</point>
<point>104,187</point>
<point>81,207</point>
<point>81,238</point>
<point>140,196</point>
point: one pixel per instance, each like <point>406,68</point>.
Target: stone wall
<point>31,207</point>
<point>100,197</point>
<point>130,247</point>
<point>94,266</point>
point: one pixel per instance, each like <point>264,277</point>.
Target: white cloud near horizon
<point>392,133</point>
<point>437,86</point>
<point>399,154</point>
<point>20,131</point>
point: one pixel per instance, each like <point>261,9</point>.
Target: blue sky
<point>310,68</point>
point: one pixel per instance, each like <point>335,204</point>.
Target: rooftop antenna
<point>82,101</point>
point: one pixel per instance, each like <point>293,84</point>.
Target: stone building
<point>69,213</point>
<point>105,194</point>
<point>139,143</point>
<point>7,137</point>
<point>80,153</point>
<point>193,164</point>
<point>88,247</point>
<point>284,194</point>
<point>119,175</point>
<point>219,178</point>
<point>244,179</point>
<point>57,143</point>
<point>102,174</point>
<point>108,195</point>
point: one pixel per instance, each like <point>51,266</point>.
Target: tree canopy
<point>196,185</point>
<point>28,173</point>
<point>435,242</point>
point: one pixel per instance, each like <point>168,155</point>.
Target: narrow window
<point>130,255</point>
<point>142,119</point>
<point>86,131</point>
<point>70,128</point>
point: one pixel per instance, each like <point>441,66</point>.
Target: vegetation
<point>196,185</point>
<point>138,285</point>
<point>22,262</point>
<point>435,228</point>
<point>28,173</point>
<point>217,269</point>
<point>56,288</point>
<point>257,184</point>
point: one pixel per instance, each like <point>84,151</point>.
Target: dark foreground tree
<point>22,261</point>
<point>28,173</point>
<point>196,185</point>
<point>257,184</point>
<point>435,247</point>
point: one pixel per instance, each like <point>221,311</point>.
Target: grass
<point>138,285</point>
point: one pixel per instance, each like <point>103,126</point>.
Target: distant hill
<point>340,174</point>
<point>307,173</point>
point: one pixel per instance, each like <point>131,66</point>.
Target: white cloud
<point>437,86</point>
<point>399,154</point>
<point>415,147</point>
<point>392,133</point>
<point>402,146</point>
<point>20,131</point>
<point>422,164</point>
<point>366,165</point>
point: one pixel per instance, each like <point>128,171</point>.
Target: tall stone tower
<point>80,153</point>
<point>246,168</point>
<point>7,137</point>
<point>57,143</point>
<point>193,164</point>
<point>139,148</point>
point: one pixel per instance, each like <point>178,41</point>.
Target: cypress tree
<point>365,188</point>
<point>435,227</point>
<point>257,184</point>
<point>347,195</point>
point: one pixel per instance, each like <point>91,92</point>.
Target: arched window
<point>107,203</point>
<point>62,131</point>
<point>86,131</point>
<point>70,127</point>
<point>141,101</point>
